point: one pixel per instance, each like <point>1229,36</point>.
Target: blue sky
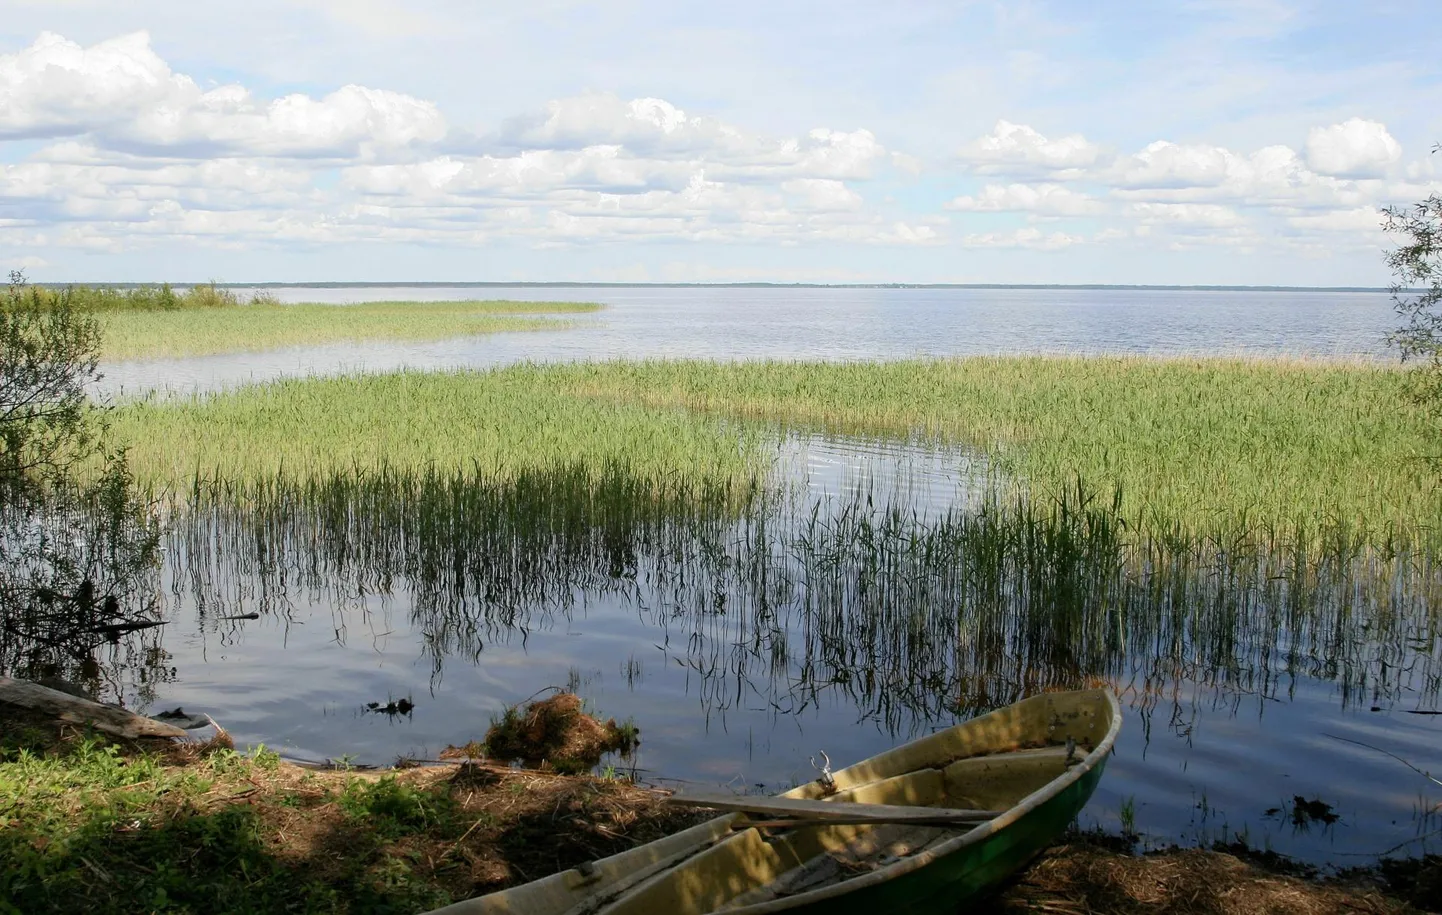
<point>1204,141</point>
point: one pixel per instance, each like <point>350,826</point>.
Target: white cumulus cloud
<point>1029,237</point>
<point>605,118</point>
<point>1042,199</point>
<point>823,194</point>
<point>1168,165</point>
<point>123,95</point>
<point>1209,215</point>
<point>55,87</point>
<point>1016,146</point>
<point>1353,149</point>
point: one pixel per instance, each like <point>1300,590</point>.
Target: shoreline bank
<point>113,825</point>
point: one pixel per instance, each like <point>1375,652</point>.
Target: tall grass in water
<point>488,425</point>
<point>164,297</point>
<point>262,325</point>
<point>912,617</point>
<point>523,547</point>
<point>1121,545</point>
<point>1198,447</point>
<point>1214,450</point>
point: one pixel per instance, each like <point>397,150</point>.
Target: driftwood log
<point>65,707</point>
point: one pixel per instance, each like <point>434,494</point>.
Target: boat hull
<point>968,873</point>
<point>991,762</point>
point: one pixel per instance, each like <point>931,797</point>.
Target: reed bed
<point>1214,447</point>
<point>1163,525</point>
<point>132,334</point>
<point>488,425</point>
<point>163,297</point>
<point>911,617</point>
<point>1217,449</point>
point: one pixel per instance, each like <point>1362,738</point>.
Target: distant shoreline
<point>578,285</point>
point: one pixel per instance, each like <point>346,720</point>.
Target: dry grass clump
<point>1085,879</point>
<point>558,733</point>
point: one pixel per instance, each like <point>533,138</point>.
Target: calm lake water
<point>857,611</point>
<point>835,324</point>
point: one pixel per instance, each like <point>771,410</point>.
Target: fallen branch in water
<point>119,628</point>
<point>1426,775</point>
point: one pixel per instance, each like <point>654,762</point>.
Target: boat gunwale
<point>991,827</point>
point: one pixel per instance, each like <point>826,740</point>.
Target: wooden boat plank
<point>996,780</point>
<point>833,810</point>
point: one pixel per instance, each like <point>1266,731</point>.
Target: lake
<point>833,324</point>
<point>854,607</point>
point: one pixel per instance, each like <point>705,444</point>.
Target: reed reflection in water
<point>883,600</point>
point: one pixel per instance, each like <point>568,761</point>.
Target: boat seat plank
<point>833,810</point>
<point>1003,779</point>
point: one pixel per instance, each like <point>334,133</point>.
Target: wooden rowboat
<point>921,828</point>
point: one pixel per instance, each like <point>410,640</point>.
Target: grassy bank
<point>1196,447</point>
<point>87,826</point>
<point>196,331</point>
<point>95,827</point>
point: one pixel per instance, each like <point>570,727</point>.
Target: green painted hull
<point>971,872</point>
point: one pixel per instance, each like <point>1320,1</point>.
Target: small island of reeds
<point>155,322</point>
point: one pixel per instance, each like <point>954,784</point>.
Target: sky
<point>1177,141</point>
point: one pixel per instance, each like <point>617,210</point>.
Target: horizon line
<point>480,284</point>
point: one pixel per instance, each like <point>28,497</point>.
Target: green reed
<point>524,546</point>
<point>134,333</point>
<point>1197,447</point>
<point>912,616</point>
<point>1280,451</point>
<point>162,297</point>
<point>488,424</point>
